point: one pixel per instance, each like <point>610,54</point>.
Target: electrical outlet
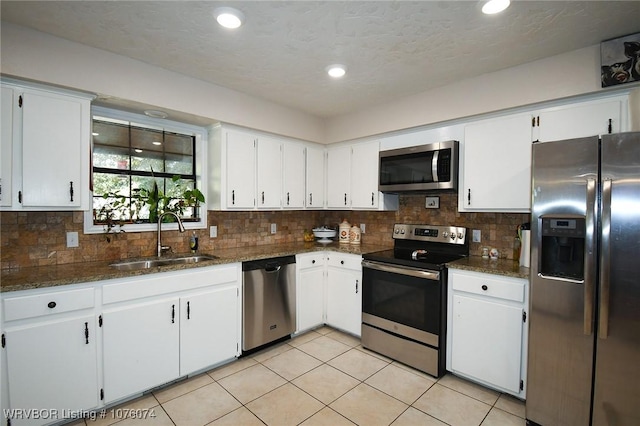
<point>273,228</point>
<point>72,239</point>
<point>477,236</point>
<point>363,228</point>
<point>213,231</point>
<point>432,202</point>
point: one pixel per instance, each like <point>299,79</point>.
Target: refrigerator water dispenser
<point>562,249</point>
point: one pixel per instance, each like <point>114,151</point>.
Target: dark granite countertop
<point>504,267</point>
<point>75,273</point>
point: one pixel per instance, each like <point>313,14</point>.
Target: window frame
<point>200,154</point>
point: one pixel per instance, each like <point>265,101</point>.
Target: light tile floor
<point>322,377</point>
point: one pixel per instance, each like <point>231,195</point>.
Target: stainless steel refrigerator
<point>584,335</point>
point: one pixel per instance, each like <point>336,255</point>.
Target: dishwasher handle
<point>271,268</point>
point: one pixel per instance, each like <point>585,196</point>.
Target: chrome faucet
<point>162,248</point>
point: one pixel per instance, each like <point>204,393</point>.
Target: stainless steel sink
<point>155,262</point>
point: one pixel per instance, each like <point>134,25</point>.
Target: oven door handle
<point>413,272</point>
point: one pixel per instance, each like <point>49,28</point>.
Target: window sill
<point>90,228</point>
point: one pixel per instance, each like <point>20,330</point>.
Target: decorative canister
<point>354,235</point>
<point>343,231</point>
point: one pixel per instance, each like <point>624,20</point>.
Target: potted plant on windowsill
<point>119,210</point>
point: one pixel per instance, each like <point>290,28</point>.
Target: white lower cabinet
<point>141,347</point>
<point>310,279</point>
<point>344,292</point>
<point>329,291</point>
<point>165,326</point>
<point>487,330</point>
<point>50,346</point>
<point>65,352</point>
<point>208,328</point>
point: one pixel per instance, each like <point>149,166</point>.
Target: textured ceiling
<point>391,49</point>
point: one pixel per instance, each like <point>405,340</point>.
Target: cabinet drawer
<point>312,260</point>
<point>487,285</point>
<point>344,261</point>
<point>16,308</point>
<point>169,282</point>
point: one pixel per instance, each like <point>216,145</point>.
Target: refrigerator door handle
<point>589,258</point>
<point>605,259</point>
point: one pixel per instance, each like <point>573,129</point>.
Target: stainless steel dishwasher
<point>268,300</point>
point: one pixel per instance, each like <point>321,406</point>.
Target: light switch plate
<point>273,228</point>
<point>213,231</point>
<point>432,202</point>
<point>363,228</point>
<point>477,236</point>
<point>72,239</point>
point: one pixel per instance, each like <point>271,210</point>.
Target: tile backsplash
<point>39,238</point>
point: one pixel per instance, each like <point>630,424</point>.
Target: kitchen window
<point>142,167</point>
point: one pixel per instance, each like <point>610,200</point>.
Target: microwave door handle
<point>434,166</point>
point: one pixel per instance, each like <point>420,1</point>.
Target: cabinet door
<point>52,150</point>
<point>364,175</point>
<point>344,300</point>
<point>497,165</point>
<point>339,177</point>
<point>53,366</point>
<point>269,173</point>
<point>315,177</point>
<point>487,341</point>
<point>580,121</point>
<point>241,170</point>
<point>208,328</point>
<point>6,146</point>
<point>293,175</point>
<point>310,293</point>
<point>140,347</point>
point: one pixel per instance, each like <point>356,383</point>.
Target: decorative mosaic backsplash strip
<point>39,238</point>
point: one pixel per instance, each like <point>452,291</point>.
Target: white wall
<point>30,54</point>
<point>38,56</point>
<point>570,74</point>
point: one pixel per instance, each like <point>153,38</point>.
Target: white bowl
<point>323,235</point>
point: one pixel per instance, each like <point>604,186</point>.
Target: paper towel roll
<point>525,248</point>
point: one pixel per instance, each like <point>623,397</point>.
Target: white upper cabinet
<point>269,161</point>
<point>580,120</point>
<point>339,177</point>
<point>293,175</point>
<point>496,165</point>
<point>240,170</point>
<point>364,175</point>
<point>249,170</point>
<point>315,177</point>
<point>352,178</point>
<point>50,133</point>
<point>6,146</point>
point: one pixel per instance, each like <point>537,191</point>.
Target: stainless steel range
<point>404,295</point>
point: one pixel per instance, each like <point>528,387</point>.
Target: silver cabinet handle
<point>605,259</point>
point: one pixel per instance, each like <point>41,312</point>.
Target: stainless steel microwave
<point>423,168</point>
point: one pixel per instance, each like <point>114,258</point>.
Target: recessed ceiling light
<point>156,143</point>
<point>138,150</point>
<point>228,17</point>
<point>155,113</point>
<point>495,6</point>
<point>336,70</point>
<point>95,134</point>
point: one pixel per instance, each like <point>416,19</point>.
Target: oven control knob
<point>396,231</point>
<point>453,236</point>
<point>460,235</point>
<point>402,231</point>
<point>445,234</point>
